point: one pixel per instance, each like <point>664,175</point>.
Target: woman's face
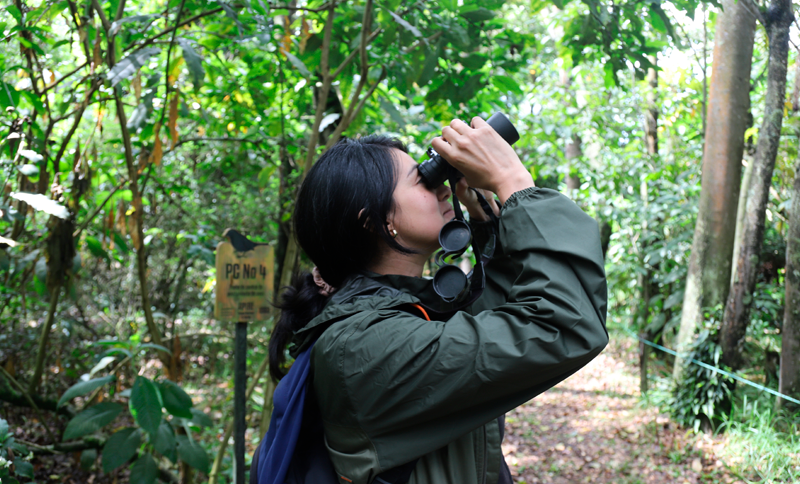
<point>419,213</point>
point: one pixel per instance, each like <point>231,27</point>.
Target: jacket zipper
<point>485,454</point>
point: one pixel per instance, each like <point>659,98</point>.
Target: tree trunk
<point>790,335</point>
<point>708,277</point>
<point>737,308</point>
<point>740,211</point>
<point>573,151</point>
<point>646,281</point>
<point>41,354</point>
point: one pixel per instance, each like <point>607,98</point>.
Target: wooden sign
<point>244,283</point>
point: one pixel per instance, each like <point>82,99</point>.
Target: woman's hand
<point>484,157</point>
<point>469,198</point>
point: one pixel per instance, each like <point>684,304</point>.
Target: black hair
<point>339,220</point>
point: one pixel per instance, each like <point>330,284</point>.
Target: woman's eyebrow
<point>412,170</point>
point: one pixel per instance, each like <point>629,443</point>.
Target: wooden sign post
<point>245,274</point>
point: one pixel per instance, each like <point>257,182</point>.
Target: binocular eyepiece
<point>435,170</point>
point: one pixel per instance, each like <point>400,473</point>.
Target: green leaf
<point>298,64</point>
<point>138,117</point>
<point>176,401</point>
<point>506,84</point>
<point>34,100</point>
<point>9,97</point>
<point>144,470</point>
<point>200,419</point>
<point>96,248</point>
<point>392,111</point>
<point>120,447</point>
<point>656,21</point>
<point>164,442</point>
<point>476,14</point>
<point>14,11</point>
<point>92,419</point>
<point>120,244</point>
<point>3,430</point>
<point>83,388</point>
<point>145,404</point>
<point>192,453</point>
<point>193,61</point>
<point>42,203</point>
<point>128,66</point>
<point>29,170</point>
<point>88,458</point>
<point>23,468</point>
<point>264,175</point>
<point>153,346</point>
<point>33,156</point>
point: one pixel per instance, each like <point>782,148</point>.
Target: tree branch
<point>164,32</point>
<point>30,401</point>
<point>352,54</point>
<point>323,92</point>
<point>97,210</point>
<point>78,116</point>
<point>56,83</point>
<point>166,69</point>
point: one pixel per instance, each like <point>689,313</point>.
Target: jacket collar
<point>371,291</point>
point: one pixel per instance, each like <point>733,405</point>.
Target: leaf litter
<point>591,429</point>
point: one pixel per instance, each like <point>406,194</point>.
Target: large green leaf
<point>145,404</point>
<point>192,453</point>
<point>42,203</point>
<point>128,66</point>
<point>298,64</point>
<point>120,447</point>
<point>476,14</point>
<point>92,419</point>
<point>200,419</point>
<point>23,468</point>
<point>83,388</point>
<point>193,61</point>
<point>144,470</point>
<point>176,401</point>
<point>164,441</point>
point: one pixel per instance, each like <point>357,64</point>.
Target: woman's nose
<point>443,192</point>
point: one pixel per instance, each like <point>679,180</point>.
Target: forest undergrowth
<point>595,427</point>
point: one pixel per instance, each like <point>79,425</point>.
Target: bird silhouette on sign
<point>239,242</point>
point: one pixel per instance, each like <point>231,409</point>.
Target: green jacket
<point>393,387</point>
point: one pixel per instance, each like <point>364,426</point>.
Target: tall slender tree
<point>708,277</point>
<point>737,309</point>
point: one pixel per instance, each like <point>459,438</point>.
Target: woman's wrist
<point>512,185</point>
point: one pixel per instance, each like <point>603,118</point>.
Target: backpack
<point>296,425</point>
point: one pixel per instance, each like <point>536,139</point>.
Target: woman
<point>394,389</point>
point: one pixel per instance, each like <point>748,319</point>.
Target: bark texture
<point>708,278</point>
<point>737,309</point>
<point>790,336</point>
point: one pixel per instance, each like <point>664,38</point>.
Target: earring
<point>394,233</point>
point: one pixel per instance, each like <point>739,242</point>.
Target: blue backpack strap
<point>277,448</point>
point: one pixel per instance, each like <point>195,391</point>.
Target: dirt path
<point>590,429</point>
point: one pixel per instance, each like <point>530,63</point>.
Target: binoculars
<point>435,170</point>
<point>450,282</point>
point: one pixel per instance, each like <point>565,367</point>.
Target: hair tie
<point>325,289</point>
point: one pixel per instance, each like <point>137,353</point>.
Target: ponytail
<point>300,303</point>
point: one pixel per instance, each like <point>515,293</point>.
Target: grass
<point>762,446</point>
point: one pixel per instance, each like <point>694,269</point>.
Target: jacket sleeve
<point>424,384</point>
